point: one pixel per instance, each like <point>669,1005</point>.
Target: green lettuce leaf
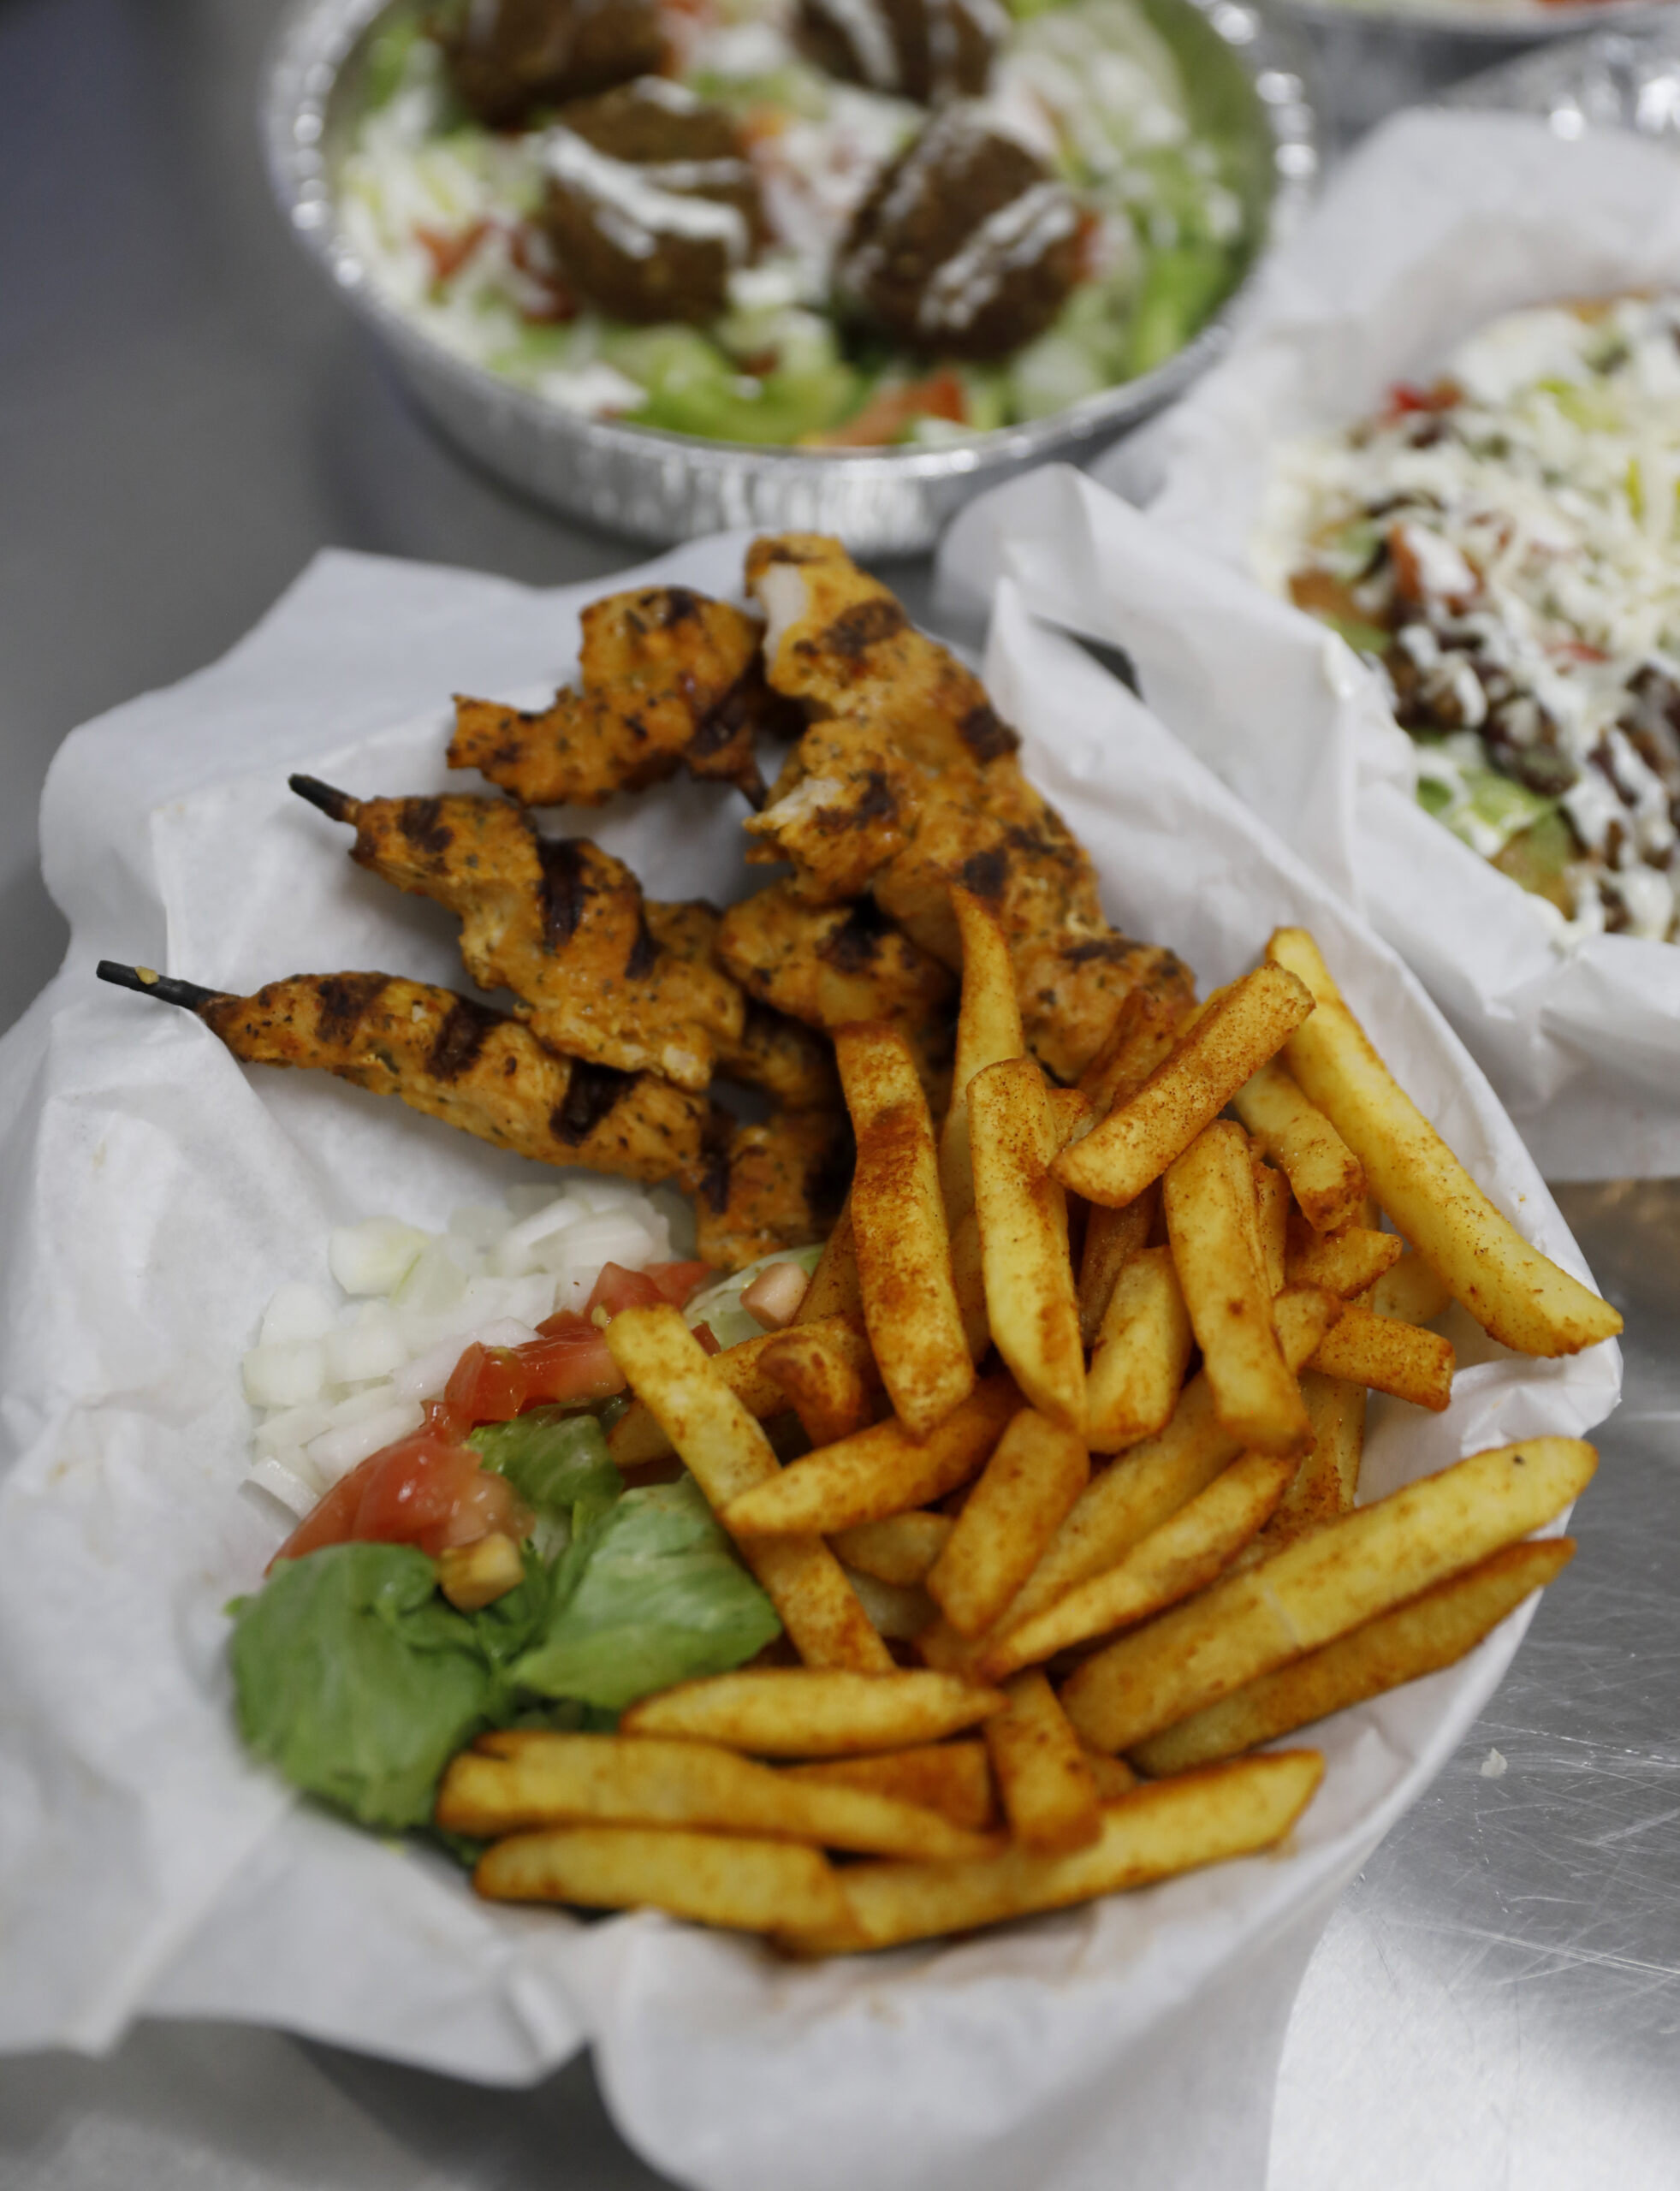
<point>355,1679</point>
<point>557,1461</point>
<point>651,1593</point>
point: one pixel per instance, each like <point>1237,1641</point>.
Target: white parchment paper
<point>155,1192</point>
<point>1439,223</point>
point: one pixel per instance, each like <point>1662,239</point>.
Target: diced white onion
<point>432,1284</point>
<point>359,1407</point>
<point>291,1488</point>
<point>285,1373</point>
<point>288,1429</point>
<point>371,1346</point>
<point>294,1312</point>
<point>374,1257</point>
<point>335,1452</point>
<point>519,1249</point>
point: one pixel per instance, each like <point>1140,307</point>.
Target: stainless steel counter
<point>184,418</point>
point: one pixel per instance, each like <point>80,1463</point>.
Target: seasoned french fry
<point>1154,1479</point>
<point>1342,1575</point>
<point>1170,1827</point>
<point>989,1028</point>
<point>880,1471</point>
<point>897,1613</point>
<point>750,1886</point>
<point>798,1712</point>
<point>1145,1028</point>
<point>1183,1555</point>
<point>953,1779</point>
<point>1346,1261</point>
<point>968,1275</point>
<point>1141,1352</point>
<point>1411,1292</point>
<point>1328,1477</point>
<point>1112,1236</point>
<point>1514,1292</point>
<point>1048,1789</point>
<point>1031,1304</point>
<point>897,1223</point>
<point>472,1575</point>
<point>901,1549</point>
<point>1323,1173</point>
<point>1208,1197</point>
<point>518,1781</point>
<point>1070,1114</point>
<point>1388,1355</point>
<point>1114,1777</point>
<point>1271,1221</point>
<point>830,1395</point>
<point>1139,1138</point>
<point>833,1290</point>
<point>728,1453</point>
<point>1037,1471</point>
<point>1432,1631</point>
<point>636,1438</point>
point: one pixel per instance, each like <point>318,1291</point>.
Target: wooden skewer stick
<point>163,987</point>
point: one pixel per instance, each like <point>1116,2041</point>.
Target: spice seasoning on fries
<point>1040,1476</point>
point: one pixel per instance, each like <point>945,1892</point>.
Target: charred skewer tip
<point>163,987</point>
<point>337,804</point>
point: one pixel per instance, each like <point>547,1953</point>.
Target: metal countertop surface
<point>185,418</point>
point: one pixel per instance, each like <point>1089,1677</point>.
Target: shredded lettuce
<point>720,1305</point>
<point>651,1593</point>
<point>556,1459</point>
<point>355,1679</point>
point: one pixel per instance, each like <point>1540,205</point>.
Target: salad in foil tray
<point>828,223</point>
<point>1501,544</point>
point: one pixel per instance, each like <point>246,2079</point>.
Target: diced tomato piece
<point>488,1384</point>
<point>618,1289</point>
<point>425,1491</point>
<point>678,1283</point>
<point>450,253</point>
<point>708,1339</point>
<point>575,1365</point>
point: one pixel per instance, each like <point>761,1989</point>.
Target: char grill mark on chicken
<point>829,964</point>
<point>556,920</point>
<point>780,1184</point>
<point>458,1060</point>
<point>907,782</point>
<point>789,1061</point>
<point>665,678</point>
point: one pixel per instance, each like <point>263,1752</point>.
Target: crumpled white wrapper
<point>154,1192</point>
<point>1439,223</point>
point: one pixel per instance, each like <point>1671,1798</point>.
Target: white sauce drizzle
<point>632,211</point>
<point>1015,235</point>
<point>868,33</point>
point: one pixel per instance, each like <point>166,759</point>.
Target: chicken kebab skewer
<point>460,1061</point>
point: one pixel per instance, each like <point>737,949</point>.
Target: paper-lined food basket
<point>156,1193</point>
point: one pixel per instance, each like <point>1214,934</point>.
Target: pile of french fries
<point>1083,1378</point>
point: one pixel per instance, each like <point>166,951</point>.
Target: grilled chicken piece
<point>828,965</point>
<point>665,676</point>
<point>838,642</point>
<point>908,783</point>
<point>461,1062</point>
<point>557,920</point>
<point>776,1185</point>
<point>773,1053</point>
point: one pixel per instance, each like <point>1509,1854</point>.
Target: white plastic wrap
<point>156,1193</point>
<point>1439,223</point>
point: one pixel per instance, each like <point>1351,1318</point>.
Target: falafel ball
<point>507,56</point>
<point>651,202</point>
<point>967,246</point>
<point>925,49</point>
